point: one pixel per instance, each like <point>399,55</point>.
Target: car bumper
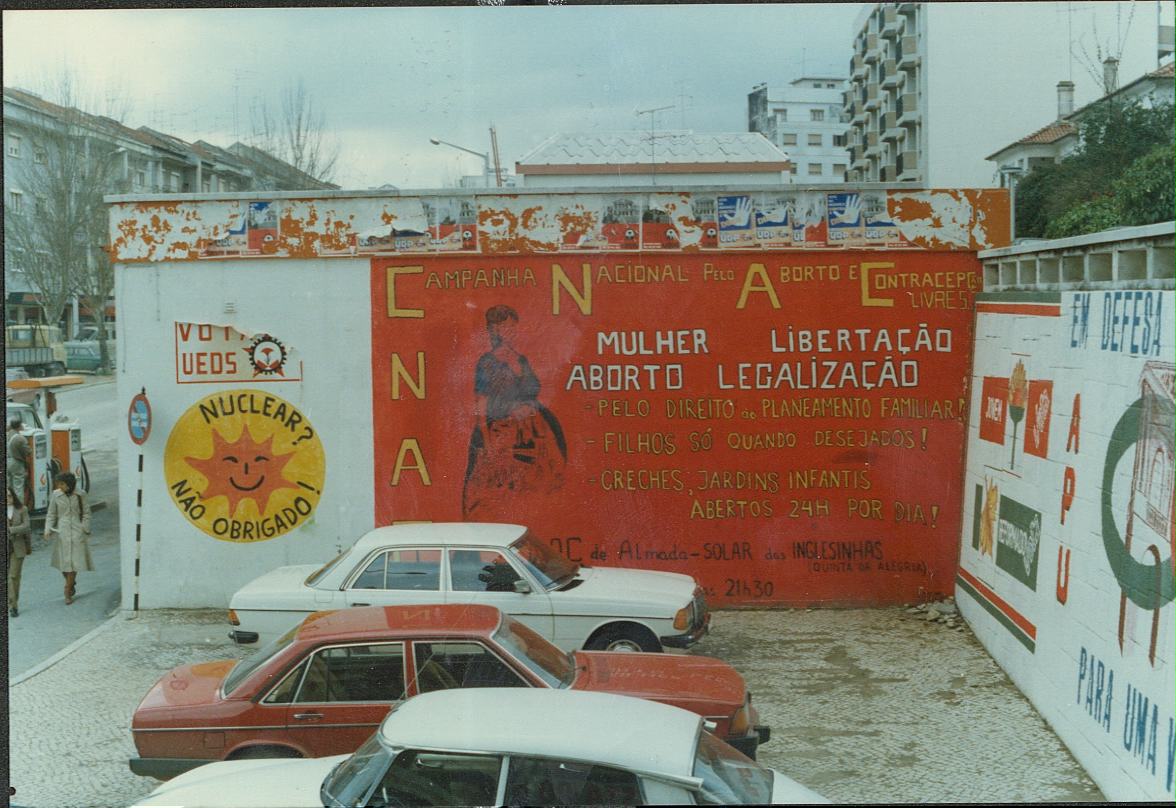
<point>688,639</point>
<point>749,743</point>
<point>243,637</point>
<point>164,768</point>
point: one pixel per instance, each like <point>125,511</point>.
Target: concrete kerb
<point>64,652</point>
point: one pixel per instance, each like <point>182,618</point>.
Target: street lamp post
<point>484,155</point>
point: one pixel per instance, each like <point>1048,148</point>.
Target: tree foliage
<point>1116,176</point>
<point>58,237</point>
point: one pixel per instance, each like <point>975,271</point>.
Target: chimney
<point>1065,98</point>
<point>1110,74</point>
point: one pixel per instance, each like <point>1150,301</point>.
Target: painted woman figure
<point>517,446</point>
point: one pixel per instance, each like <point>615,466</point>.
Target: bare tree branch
<point>297,133</point>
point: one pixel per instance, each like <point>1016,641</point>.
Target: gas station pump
<point>54,448</point>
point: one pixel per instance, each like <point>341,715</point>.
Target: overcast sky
<point>388,79</point>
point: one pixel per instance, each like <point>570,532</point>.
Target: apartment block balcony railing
<point>858,67</point>
<point>908,109</point>
<point>890,76</point>
<point>891,21</point>
<point>889,174</point>
<point>907,165</point>
<point>890,128</point>
<point>872,99</point>
<point>908,53</point>
<point>873,53</point>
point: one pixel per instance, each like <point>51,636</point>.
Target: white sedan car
<point>505,746</point>
<point>574,606</point>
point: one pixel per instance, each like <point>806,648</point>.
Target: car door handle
<point>306,716</point>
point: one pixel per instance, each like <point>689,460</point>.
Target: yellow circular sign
<point>244,466</point>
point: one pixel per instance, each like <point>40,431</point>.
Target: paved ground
<point>865,706</point>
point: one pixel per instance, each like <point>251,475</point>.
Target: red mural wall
<point>786,427</point>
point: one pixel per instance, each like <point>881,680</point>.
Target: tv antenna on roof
<point>652,113</point>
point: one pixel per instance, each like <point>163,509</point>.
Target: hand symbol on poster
<point>776,217</point>
<point>741,216</point>
<point>852,213</point>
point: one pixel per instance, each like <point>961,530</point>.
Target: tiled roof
<point>1050,133</point>
<point>1164,71</point>
<point>624,148</point>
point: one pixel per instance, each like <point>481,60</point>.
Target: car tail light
<point>740,721</point>
<point>233,619</point>
<point>682,619</point>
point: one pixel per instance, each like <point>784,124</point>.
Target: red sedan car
<point>323,688</point>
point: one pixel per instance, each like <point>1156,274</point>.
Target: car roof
<point>602,728</point>
<point>441,533</point>
<point>369,622</point>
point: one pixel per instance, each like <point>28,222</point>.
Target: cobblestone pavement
<point>865,706</point>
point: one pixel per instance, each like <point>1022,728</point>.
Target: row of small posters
<point>799,219</point>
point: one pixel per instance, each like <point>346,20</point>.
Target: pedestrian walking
<point>18,457</point>
<point>18,547</point>
<point>68,520</point>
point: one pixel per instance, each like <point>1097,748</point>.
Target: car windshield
<point>543,562</point>
<point>249,664</point>
<point>324,569</point>
<point>728,776</point>
<point>350,781</point>
<point>543,659</point>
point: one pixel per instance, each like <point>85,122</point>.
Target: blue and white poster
<point>736,227</point>
<point>772,222</point>
<point>845,219</point>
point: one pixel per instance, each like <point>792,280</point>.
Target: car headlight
<point>233,619</point>
<point>682,618</point>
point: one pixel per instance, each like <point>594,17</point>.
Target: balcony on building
<point>891,22</point>
<point>908,53</point>
<point>859,68</point>
<point>890,76</point>
<point>873,52</point>
<point>907,166</point>
<point>890,128</point>
<point>873,145</point>
<point>889,174</point>
<point>872,99</point>
<point>907,106</point>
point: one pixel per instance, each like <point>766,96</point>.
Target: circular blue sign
<point>139,419</point>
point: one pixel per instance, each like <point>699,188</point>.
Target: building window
<point>39,156</point>
<point>14,146</point>
<point>15,201</point>
<point>781,115</point>
<point>831,86</point>
<point>839,140</point>
<point>205,186</point>
<point>140,179</point>
<point>788,139</point>
<point>814,169</point>
<point>839,168</point>
<point>816,114</point>
<point>814,139</point>
<point>173,181</point>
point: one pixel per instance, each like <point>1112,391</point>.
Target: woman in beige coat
<point>18,547</point>
<point>69,519</point>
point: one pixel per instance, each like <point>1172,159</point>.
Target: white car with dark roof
<point>505,746</point>
<point>572,605</point>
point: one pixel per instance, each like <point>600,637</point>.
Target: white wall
<point>319,308</point>
<point>992,71</point>
<point>1050,614</point>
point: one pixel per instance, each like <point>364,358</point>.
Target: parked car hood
<point>704,685</point>
<point>645,593</point>
<point>186,686</point>
<point>248,784</point>
<point>283,588</point>
<point>786,791</point>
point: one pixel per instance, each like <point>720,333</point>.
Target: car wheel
<point>57,369</point>
<point>258,752</point>
<point>628,638</point>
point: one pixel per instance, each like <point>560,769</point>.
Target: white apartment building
<point>936,87</point>
<point>807,121</point>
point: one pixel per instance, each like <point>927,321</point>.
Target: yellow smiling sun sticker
<point>244,466</point>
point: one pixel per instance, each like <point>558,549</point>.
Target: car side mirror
<point>522,587</point>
